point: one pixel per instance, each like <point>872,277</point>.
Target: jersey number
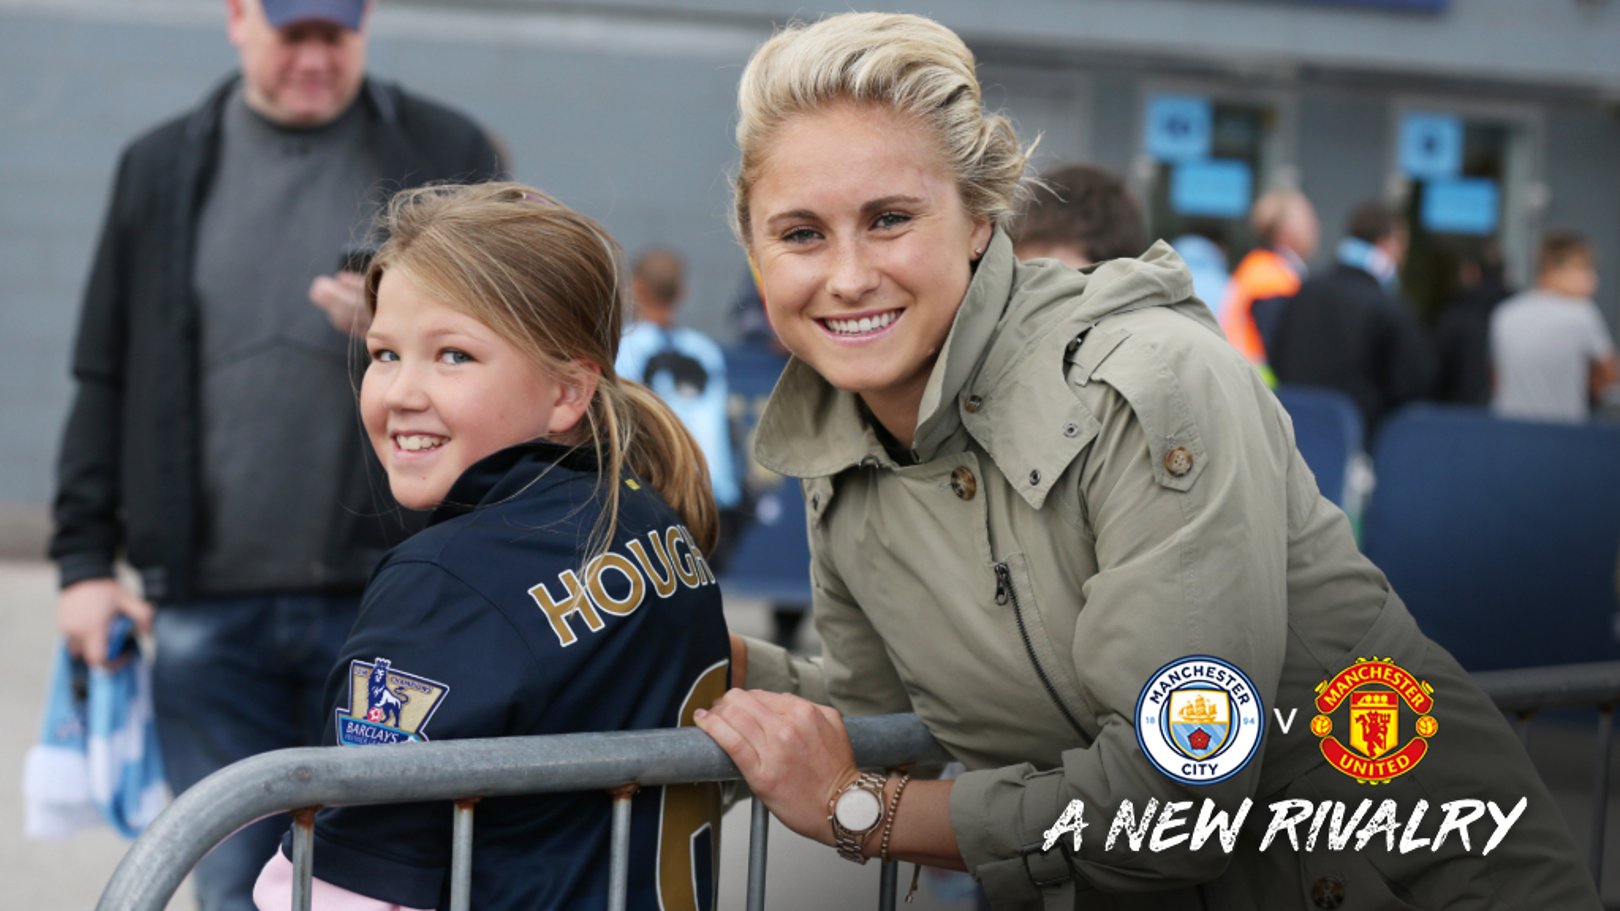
<point>689,820</point>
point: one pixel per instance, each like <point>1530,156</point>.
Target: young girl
<point>560,585</point>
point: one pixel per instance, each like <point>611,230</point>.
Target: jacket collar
<point>1013,339</point>
<point>514,470</point>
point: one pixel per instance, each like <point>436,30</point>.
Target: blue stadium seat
<point>772,556</point>
<point>1328,432</point>
<point>1501,536</point>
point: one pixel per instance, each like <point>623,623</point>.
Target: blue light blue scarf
<point>97,757</point>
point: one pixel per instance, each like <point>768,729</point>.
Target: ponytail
<point>636,430</point>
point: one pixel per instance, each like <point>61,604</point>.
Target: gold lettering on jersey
<point>590,598</point>
<point>663,586</point>
<point>690,812</point>
<point>557,611</point>
<point>622,607</point>
<point>705,574</point>
<point>686,565</point>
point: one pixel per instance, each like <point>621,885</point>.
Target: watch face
<point>858,810</point>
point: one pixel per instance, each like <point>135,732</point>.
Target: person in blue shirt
<point>561,584</point>
<point>688,371</point>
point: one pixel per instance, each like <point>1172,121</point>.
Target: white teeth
<point>863,325</point>
<point>418,442</point>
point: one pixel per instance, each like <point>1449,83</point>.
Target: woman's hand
<point>795,754</point>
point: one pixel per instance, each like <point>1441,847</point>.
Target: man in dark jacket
<point>213,441</point>
<point>1348,328</point>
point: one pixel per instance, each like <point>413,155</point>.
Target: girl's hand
<point>794,754</point>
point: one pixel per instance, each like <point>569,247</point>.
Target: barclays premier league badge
<point>1199,720</point>
<point>387,705</point>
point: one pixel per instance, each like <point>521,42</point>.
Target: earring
<point>979,252</point>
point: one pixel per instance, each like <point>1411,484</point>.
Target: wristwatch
<point>856,811</point>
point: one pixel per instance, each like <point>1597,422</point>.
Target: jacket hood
<point>1011,333</point>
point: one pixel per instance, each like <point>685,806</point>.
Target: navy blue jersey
<point>497,620</point>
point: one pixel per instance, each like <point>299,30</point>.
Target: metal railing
<point>463,771</point>
<point>1522,692</point>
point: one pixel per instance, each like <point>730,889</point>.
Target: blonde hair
<point>1272,211</point>
<point>546,278</point>
<point>911,64</point>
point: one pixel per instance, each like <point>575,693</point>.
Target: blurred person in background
<point>212,440</point>
<point>1462,336</point>
<point>1551,354</point>
<point>1083,215</point>
<point>1285,224</point>
<point>688,371</point>
<point>1349,329</point>
<point>1203,249</point>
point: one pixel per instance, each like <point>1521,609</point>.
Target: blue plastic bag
<point>97,758</point>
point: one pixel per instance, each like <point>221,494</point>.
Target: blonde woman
<point>1033,491</point>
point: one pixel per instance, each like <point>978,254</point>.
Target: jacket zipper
<point>1004,593</point>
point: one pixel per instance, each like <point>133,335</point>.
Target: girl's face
<point>864,248</point>
<point>443,390</point>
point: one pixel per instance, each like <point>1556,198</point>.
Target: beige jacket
<point>1102,486</point>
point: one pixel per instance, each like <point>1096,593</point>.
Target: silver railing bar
<point>303,851</point>
<point>888,881</point>
<point>619,849</point>
<point>461,836</point>
<point>276,782</point>
<point>1600,803</point>
<point>759,835</point>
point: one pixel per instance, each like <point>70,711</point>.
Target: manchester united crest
<point>1376,693</point>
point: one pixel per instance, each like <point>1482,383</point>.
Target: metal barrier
<point>464,771</point>
<point>1523,692</point>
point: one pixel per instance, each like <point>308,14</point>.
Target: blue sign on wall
<point>1179,127</point>
<point>1215,188</point>
<point>1431,146</point>
<point>1461,206</point>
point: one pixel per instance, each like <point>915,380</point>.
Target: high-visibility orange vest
<point>1262,274</point>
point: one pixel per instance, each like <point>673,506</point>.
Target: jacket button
<point>1327,893</point>
<point>815,501</point>
<point>1071,430</point>
<point>1034,477</point>
<point>963,483</point>
<point>1178,461</point>
<point>972,405</point>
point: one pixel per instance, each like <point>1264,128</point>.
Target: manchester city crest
<point>387,705</point>
<point>1199,720</point>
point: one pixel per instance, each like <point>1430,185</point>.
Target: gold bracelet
<point>888,824</point>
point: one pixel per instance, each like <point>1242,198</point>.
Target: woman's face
<point>863,247</point>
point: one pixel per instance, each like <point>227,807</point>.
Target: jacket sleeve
<point>1188,564</point>
<point>85,510</point>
